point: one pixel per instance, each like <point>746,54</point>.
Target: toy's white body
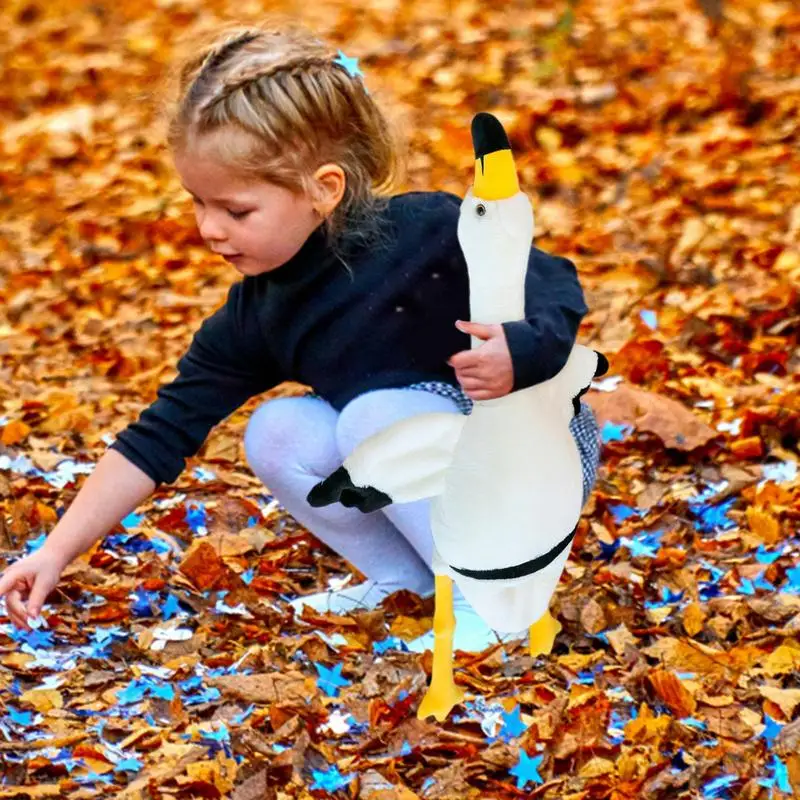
<point>505,481</point>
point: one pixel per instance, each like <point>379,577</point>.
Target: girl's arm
<point>114,489</point>
<point>224,367</point>
<point>541,343</point>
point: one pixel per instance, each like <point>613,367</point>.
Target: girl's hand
<point>484,372</point>
<point>31,578</point>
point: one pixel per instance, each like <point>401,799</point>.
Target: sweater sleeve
<point>554,307</point>
<point>220,371</point>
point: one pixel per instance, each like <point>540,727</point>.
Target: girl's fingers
<point>16,608</point>
<point>468,372</point>
<point>471,384</point>
<point>482,394</point>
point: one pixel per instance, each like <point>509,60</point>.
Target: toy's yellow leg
<point>542,634</point>
<point>443,693</point>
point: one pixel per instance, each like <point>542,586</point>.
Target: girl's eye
<point>234,214</point>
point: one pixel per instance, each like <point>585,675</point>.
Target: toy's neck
<point>497,286</point>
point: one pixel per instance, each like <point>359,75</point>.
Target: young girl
<point>358,295</point>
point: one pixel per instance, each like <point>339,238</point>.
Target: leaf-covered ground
<point>659,142</point>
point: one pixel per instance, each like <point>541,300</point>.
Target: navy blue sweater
<point>388,324</point>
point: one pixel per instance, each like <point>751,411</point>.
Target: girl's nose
<point>209,228</point>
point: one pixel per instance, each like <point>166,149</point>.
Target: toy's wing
<point>406,461</point>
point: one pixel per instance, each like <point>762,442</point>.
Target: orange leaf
<point>672,691</point>
<point>763,525</point>
<point>14,433</point>
<point>752,447</point>
<point>693,619</point>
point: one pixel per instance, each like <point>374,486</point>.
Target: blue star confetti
<point>512,726</point>
<point>792,584</point>
<point>764,556</point>
<point>615,433</point>
<point>330,680</point>
<point>196,517</point>
<point>132,521</point>
<point>622,512</point>
<point>771,730</point>
<point>719,786</point>
<point>171,607</point>
<point>389,643</point>
<point>649,318</point>
<point>712,518</point>
<point>644,545</point>
<point>780,776</point>
<point>527,770</point>
<point>330,780</point>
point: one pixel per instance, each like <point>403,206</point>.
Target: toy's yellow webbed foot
<point>443,693</point>
<point>542,634</point>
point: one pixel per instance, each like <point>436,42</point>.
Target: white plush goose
<point>505,481</point>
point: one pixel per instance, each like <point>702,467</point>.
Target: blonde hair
<point>284,107</point>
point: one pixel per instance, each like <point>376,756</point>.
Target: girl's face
<point>257,226</point>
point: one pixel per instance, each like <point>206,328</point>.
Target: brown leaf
<point>264,687</point>
<point>668,419</point>
<point>593,618</point>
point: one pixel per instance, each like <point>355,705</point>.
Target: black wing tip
<point>338,487</point>
<point>602,364</point>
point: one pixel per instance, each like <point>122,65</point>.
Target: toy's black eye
<point>480,209</point>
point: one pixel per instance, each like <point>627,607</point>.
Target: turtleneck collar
<point>307,259</point>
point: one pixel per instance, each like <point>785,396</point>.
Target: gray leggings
<point>291,443</point>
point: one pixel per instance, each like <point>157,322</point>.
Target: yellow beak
<point>495,173</point>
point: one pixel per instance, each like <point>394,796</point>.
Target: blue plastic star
<point>132,520</point>
<point>171,607</point>
<point>527,770</point>
<point>764,556</point>
<point>350,64</point>
<point>713,517</point>
<point>713,788</point>
<point>780,776</point>
<point>649,318</point>
<point>622,512</point>
<point>35,544</point>
<point>746,586</point>
<point>20,717</point>
<point>513,725</point>
<point>132,693</point>
<point>771,731</point>
<point>331,680</point>
<point>331,780</point>
<point>615,433</point>
<point>128,765</point>
<point>793,580</point>
<point>389,643</point>
<point>196,516</point>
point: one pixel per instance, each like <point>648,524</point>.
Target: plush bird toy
<point>505,482</point>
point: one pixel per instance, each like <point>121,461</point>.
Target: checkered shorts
<point>584,428</point>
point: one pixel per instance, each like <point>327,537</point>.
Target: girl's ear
<point>331,183</point>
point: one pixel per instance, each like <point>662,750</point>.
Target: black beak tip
<point>488,134</point>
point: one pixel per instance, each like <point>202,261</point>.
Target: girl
<point>354,293</point>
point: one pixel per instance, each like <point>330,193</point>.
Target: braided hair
<point>276,105</point>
